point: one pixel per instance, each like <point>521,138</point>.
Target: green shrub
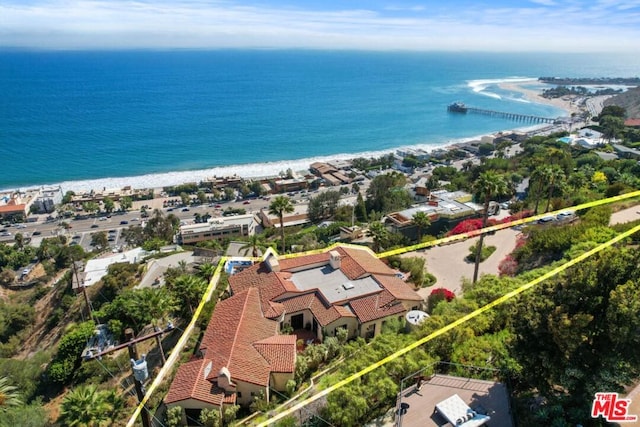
<point>484,254</point>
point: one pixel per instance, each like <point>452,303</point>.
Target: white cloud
<point>200,24</point>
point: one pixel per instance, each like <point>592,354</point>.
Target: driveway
<point>447,263</point>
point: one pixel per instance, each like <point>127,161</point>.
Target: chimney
<point>224,380</point>
<point>272,264</point>
<point>334,260</point>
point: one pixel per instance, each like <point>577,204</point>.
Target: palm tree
<point>421,221</point>
<point>536,183</point>
<point>9,395</point>
<point>489,184</point>
<point>556,176</point>
<point>159,303</point>
<point>256,244</point>
<point>380,234</point>
<point>188,291</point>
<point>86,406</point>
<point>206,271</point>
<point>279,206</point>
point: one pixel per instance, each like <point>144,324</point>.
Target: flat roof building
<point>218,228</point>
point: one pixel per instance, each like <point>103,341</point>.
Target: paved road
<point>448,265</point>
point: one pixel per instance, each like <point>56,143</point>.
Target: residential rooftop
<point>334,285</point>
<point>488,397</point>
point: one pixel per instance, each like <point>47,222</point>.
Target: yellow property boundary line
<point>497,227</point>
<point>177,350</point>
<point>450,326</point>
<point>216,277</point>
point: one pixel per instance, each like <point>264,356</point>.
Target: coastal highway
<point>113,224</point>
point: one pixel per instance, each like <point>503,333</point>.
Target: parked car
<point>94,226</point>
<point>124,222</point>
<point>546,220</point>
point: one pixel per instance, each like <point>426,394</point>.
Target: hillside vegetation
<point>629,100</point>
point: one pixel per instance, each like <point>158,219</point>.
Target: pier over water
<point>459,107</point>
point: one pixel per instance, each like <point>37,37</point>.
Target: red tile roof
<point>398,288</point>
<point>355,263</point>
<point>376,306</point>
<point>236,324</point>
<point>279,351</point>
<point>323,313</point>
<point>632,122</point>
<point>190,383</point>
<point>11,207</point>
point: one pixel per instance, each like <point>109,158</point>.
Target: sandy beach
<point>568,104</point>
<point>157,180</point>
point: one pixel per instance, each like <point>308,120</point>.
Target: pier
<point>458,107</point>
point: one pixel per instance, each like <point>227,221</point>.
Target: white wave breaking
<point>251,170</point>
<point>480,86</point>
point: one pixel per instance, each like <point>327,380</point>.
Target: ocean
<point>152,118</point>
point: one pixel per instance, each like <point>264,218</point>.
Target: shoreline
<point>531,95</point>
<point>273,169</point>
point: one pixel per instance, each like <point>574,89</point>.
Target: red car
<point>246,202</point>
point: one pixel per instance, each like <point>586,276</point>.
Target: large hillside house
<point>347,287</point>
<point>241,356</point>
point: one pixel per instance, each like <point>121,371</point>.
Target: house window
<point>239,394</point>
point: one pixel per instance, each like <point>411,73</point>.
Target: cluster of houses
<point>16,206</point>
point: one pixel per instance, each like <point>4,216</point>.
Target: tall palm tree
<point>380,234</point>
<point>421,221</point>
<point>556,176</point>
<point>489,184</point>
<point>255,244</point>
<point>9,395</point>
<point>279,206</point>
<point>536,183</point>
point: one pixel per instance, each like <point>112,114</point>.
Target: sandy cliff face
<point>629,100</point>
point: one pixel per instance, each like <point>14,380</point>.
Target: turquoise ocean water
<point>157,117</point>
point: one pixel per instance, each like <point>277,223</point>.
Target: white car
<point>103,218</point>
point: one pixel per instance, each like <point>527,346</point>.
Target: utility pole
<point>84,290</point>
<point>133,355</point>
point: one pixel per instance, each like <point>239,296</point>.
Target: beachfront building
<point>331,174</point>
<point>289,184</point>
<point>445,209</point>
<point>219,228</point>
<point>15,205</point>
<point>241,356</point>
<point>347,287</point>
<point>47,199</point>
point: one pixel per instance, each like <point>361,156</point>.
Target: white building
<point>218,229</point>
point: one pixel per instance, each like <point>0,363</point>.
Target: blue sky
<point>451,25</point>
